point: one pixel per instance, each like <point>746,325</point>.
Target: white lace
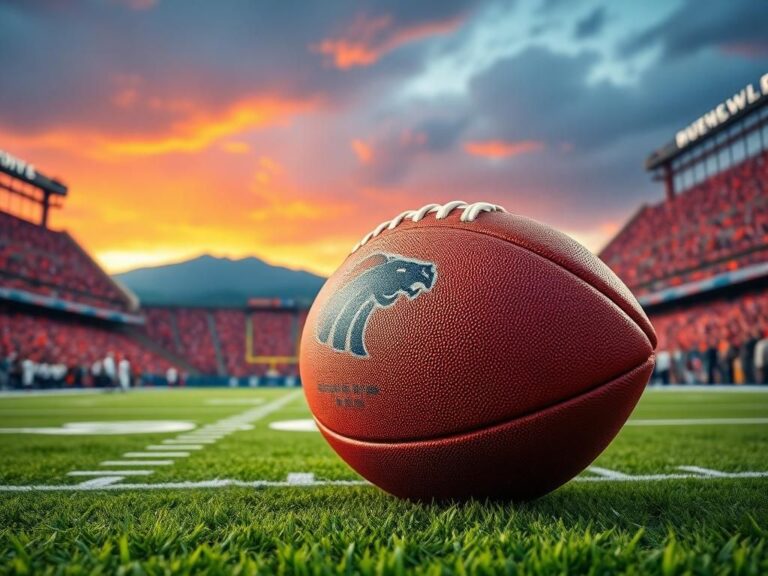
<point>470,212</point>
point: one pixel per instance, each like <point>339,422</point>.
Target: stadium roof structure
<point>27,182</point>
<point>727,123</point>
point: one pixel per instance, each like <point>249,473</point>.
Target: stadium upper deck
<point>713,227</point>
<point>698,261</point>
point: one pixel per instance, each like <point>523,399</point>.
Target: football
<point>463,351</point>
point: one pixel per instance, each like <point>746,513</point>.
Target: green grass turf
<point>678,526</point>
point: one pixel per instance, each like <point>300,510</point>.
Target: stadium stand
<point>698,261</point>
<point>38,260</point>
<point>717,226</point>
<point>63,320</point>
<point>202,335</point>
<point>231,327</point>
<point>276,334</point>
<point>715,341</point>
<point>47,339</point>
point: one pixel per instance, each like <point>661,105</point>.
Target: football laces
<point>469,213</point>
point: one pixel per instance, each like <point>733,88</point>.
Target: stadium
<point>698,262</point>
<point>166,396</point>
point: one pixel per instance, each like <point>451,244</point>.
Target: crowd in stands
<point>41,261</point>
<point>202,335</point>
<point>231,328</point>
<point>197,338</point>
<point>716,226</point>
<point>38,350</point>
<point>721,341</point>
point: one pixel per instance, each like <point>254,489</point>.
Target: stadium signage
<point>722,112</point>
<point>16,166</point>
<point>27,172</point>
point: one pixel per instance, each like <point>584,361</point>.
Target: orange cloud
<point>366,40</point>
<point>203,129</point>
<point>198,131</point>
<point>363,151</point>
<point>501,148</point>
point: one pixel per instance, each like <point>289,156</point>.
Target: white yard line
<point>702,471</point>
<point>136,463</point>
<point>656,477</point>
<point>110,473</point>
<point>156,454</point>
<point>175,447</point>
<point>102,482</point>
<point>301,478</point>
<point>173,441</point>
<point>695,421</point>
<point>606,473</point>
<point>308,480</point>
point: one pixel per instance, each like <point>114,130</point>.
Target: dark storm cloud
<point>591,25</point>
<point>74,63</point>
<point>399,148</point>
<point>735,25</point>
<point>442,134</point>
<point>564,106</point>
<point>597,134</point>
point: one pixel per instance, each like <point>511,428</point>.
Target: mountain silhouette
<point>210,281</point>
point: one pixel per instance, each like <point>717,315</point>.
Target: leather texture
<point>506,374</point>
<point>521,459</point>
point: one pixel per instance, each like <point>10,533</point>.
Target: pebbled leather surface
<point>521,459</point>
<point>520,319</point>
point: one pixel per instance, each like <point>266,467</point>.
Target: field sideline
<point>209,485</point>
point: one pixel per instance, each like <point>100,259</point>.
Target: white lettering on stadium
<point>12,164</point>
<point>722,112</point>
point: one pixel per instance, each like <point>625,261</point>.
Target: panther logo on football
<point>344,320</point>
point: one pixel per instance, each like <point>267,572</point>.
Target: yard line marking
<point>300,478</point>
<point>696,421</point>
<point>606,473</point>
<point>655,477</point>
<point>110,472</point>
<point>702,471</point>
<point>225,427</point>
<point>155,454</point>
<point>100,482</point>
<point>218,483</point>
<point>136,463</point>
<point>175,447</point>
<point>224,483</point>
<point>233,401</point>
<point>197,441</point>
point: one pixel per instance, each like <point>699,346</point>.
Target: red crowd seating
<point>712,323</point>
<point>717,332</point>
<point>716,226</point>
<point>50,263</point>
<point>71,342</point>
<point>273,334</point>
<point>231,327</point>
<point>187,332</point>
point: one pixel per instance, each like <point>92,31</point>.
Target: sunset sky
<point>287,130</point>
